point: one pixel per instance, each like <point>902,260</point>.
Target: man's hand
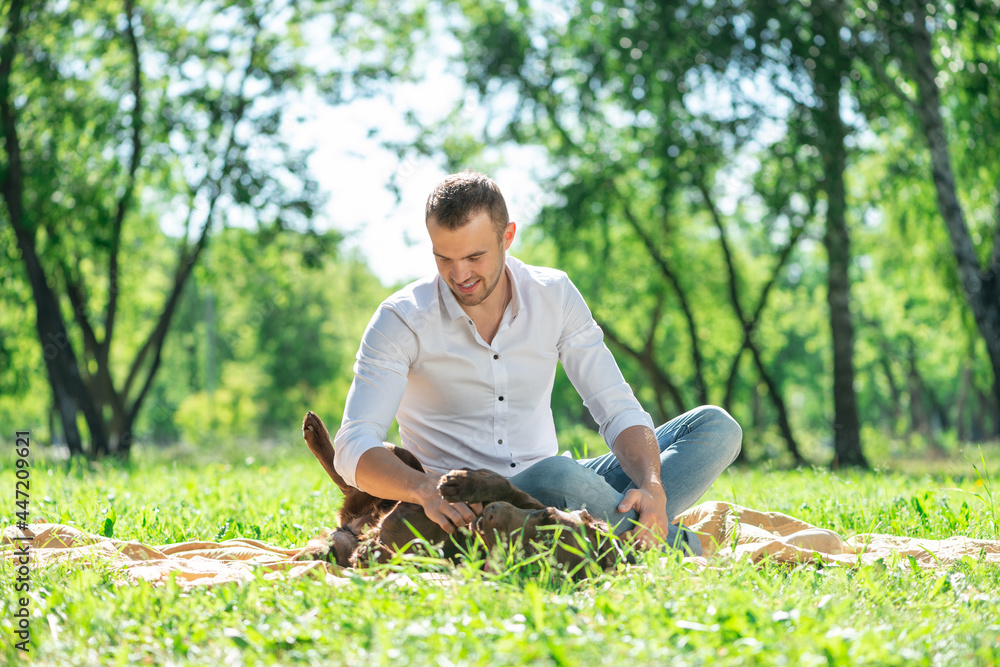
<point>651,504</point>
<point>450,516</point>
<point>383,475</point>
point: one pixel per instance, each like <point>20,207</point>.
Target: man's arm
<point>626,427</point>
<point>380,377</point>
<point>639,455</point>
<point>383,475</point>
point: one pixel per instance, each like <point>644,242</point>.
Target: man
<point>465,361</point>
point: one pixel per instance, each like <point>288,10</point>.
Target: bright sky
<point>354,169</point>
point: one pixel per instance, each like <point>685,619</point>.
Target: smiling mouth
<point>465,287</point>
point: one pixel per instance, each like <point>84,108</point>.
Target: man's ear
<point>508,234</point>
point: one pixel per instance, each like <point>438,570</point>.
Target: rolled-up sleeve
<point>388,347</point>
<point>594,372</point>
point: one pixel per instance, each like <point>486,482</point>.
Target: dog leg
<point>484,486</point>
<point>321,445</point>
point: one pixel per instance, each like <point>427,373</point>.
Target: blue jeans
<point>694,450</point>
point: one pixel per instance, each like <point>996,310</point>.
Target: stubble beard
<point>471,300</point>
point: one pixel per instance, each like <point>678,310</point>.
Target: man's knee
<point>726,432</point>
<point>732,433</point>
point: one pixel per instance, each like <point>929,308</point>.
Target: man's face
<point>471,259</point>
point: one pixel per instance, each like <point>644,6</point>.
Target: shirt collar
<point>517,303</point>
<point>454,309</point>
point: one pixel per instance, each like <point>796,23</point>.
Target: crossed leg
<point>694,450</point>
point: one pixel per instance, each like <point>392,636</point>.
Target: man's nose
<point>461,272</point>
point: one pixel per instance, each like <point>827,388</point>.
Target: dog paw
<point>313,428</point>
<point>317,437</point>
<point>472,486</point>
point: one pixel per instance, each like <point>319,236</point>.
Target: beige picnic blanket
<point>727,532</point>
<point>732,531</point>
<point>192,563</point>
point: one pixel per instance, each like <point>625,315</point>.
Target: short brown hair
<point>454,201</point>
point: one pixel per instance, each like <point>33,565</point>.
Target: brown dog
<point>374,528</point>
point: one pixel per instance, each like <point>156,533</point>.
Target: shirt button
<point>501,398</point>
<point>500,441</point>
<point>496,356</point>
<point>513,465</point>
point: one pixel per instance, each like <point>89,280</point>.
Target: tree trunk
<point>895,396</point>
<point>749,326</point>
<point>981,286</point>
<point>977,427</point>
<point>661,261</point>
<point>984,414</point>
<point>962,401</point>
<point>68,390</point>
<point>774,392</point>
<point>920,404</point>
<point>827,78</point>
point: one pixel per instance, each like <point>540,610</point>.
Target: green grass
<point>664,612</point>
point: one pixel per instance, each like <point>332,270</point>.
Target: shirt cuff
<point>623,420</point>
<point>351,444</point>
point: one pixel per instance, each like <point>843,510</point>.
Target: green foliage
<point>581,442</point>
<point>135,131</point>
<point>614,97</point>
<point>266,330</point>
<point>283,332</point>
<point>673,127</point>
<point>662,611</point>
<point>275,329</point>
<point>669,127</point>
<point>24,393</point>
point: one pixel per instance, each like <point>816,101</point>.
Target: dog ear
<point>550,513</point>
<point>593,522</point>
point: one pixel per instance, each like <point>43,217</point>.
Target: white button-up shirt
<point>463,403</point>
